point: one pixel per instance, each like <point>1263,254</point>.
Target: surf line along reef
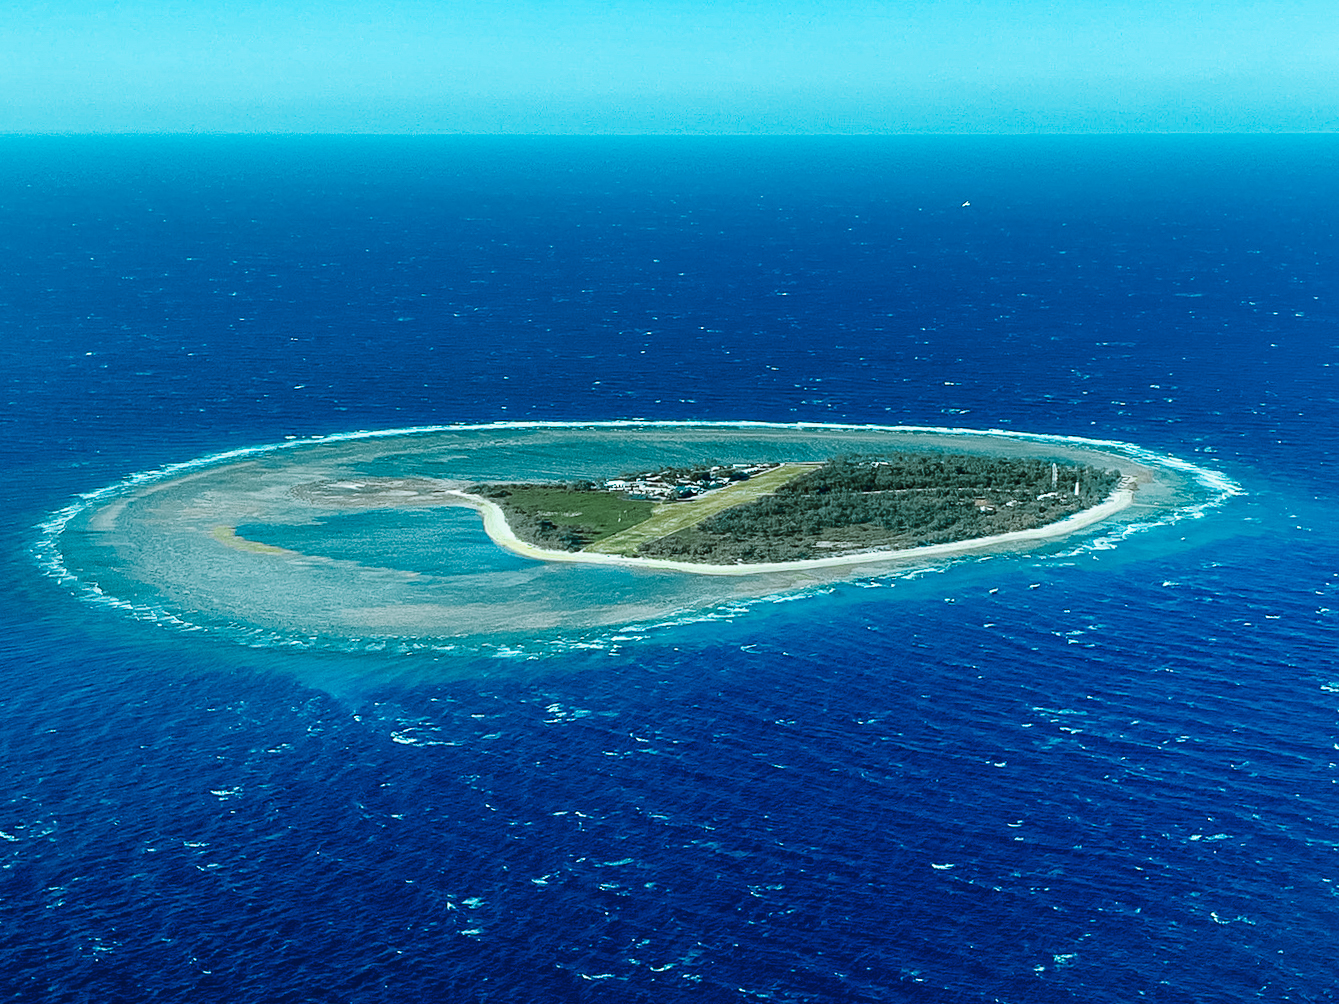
<point>737,519</point>
<point>353,539</point>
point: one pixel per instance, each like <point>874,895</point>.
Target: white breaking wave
<point>1215,489</point>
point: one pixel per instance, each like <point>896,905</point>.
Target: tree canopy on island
<point>854,502</point>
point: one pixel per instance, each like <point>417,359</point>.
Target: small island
<point>470,535</point>
<point>851,506</point>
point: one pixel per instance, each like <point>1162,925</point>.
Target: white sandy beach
<point>497,528</point>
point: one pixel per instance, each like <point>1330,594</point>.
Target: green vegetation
<point>856,503</point>
<point>795,511</point>
<point>672,517</point>
<point>565,517</point>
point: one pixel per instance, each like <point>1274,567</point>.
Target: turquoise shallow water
<point>427,576</point>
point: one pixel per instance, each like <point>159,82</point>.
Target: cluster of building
<point>682,483</point>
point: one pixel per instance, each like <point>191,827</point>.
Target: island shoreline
<point>500,532</point>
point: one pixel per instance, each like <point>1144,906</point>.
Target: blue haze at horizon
<point>413,66</point>
<point>169,298</point>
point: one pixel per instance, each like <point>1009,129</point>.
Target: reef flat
<point>372,537</point>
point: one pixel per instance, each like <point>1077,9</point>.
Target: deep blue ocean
<point>1104,779</point>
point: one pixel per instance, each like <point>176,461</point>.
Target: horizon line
<point>76,134</point>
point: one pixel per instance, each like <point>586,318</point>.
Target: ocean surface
<point>1097,773</point>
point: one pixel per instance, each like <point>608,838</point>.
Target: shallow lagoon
<point>418,573</point>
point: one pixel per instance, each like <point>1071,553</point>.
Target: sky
<point>669,66</point>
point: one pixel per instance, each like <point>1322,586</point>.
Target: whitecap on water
<point>161,545</point>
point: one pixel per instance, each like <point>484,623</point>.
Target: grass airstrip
<point>670,517</point>
<point>597,514</point>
